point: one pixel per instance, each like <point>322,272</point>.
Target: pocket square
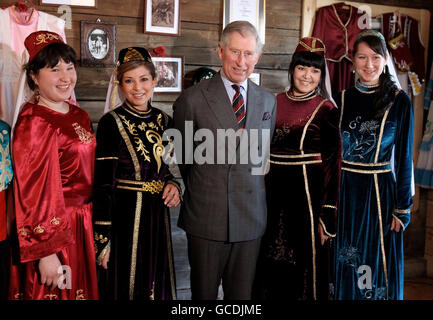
<point>266,116</point>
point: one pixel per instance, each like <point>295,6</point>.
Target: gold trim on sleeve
<point>324,229</point>
<point>102,223</point>
<point>402,211</point>
<point>329,206</point>
<point>401,223</point>
<point>108,158</point>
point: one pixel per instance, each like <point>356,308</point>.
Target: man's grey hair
<point>245,29</point>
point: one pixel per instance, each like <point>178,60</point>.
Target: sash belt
<point>154,186</point>
<point>366,168</point>
<point>296,159</point>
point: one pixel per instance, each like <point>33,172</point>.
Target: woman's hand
<point>395,225</point>
<point>48,269</point>
<point>323,236</point>
<point>171,195</point>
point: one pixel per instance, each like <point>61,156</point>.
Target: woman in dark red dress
<point>302,184</point>
<point>53,151</point>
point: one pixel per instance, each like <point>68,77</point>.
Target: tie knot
<point>236,87</point>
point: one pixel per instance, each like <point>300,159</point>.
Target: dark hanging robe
<point>129,212</point>
<point>371,194</point>
<point>337,25</point>
<point>302,191</point>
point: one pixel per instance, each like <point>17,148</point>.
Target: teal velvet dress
<point>376,185</point>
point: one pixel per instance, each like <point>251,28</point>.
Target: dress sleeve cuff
<point>103,253</point>
<point>324,229</point>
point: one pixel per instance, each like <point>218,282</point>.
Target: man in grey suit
<point>224,207</point>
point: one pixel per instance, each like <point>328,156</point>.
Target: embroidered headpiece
<point>38,40</point>
<point>311,44</point>
<point>133,54</point>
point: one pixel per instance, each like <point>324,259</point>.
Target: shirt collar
<point>228,83</point>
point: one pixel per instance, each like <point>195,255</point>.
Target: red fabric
<point>311,44</point>
<point>410,31</point>
<point>53,167</point>
<point>38,40</point>
<point>3,223</point>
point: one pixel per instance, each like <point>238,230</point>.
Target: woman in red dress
<point>53,147</point>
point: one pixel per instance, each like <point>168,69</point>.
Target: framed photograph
<point>255,77</point>
<point>169,71</point>
<point>162,17</point>
<point>98,44</point>
<point>72,3</point>
<point>252,11</point>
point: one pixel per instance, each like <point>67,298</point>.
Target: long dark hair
<point>49,56</point>
<point>309,59</point>
<point>385,94</point>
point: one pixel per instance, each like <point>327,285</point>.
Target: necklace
<point>303,97</point>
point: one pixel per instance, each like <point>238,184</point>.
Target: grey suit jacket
<point>223,201</point>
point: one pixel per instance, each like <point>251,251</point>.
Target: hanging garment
<point>424,166</point>
<point>338,26</point>
<point>402,34</point>
<point>15,27</point>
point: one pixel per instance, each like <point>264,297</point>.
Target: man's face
<point>239,57</point>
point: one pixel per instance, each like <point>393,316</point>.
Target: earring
<point>37,94</point>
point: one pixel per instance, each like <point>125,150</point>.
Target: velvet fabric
<point>117,210</point>
<point>292,263</point>
<point>53,165</point>
<point>371,195</point>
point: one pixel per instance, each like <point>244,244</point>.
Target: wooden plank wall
<point>201,22</point>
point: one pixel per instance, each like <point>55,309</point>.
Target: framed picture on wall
<point>253,11</point>
<point>72,3</point>
<point>162,17</point>
<point>98,44</point>
<point>169,71</point>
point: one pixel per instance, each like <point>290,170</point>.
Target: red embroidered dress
<point>54,164</point>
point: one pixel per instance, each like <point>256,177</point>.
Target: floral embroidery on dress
<point>349,256</point>
<point>375,294</point>
<point>85,136</point>
<point>361,137</point>
<point>278,250</point>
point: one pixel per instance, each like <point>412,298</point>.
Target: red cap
<point>38,40</point>
<point>311,44</point>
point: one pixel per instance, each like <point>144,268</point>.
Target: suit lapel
<point>219,103</point>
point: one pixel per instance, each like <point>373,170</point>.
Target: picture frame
<point>169,71</point>
<point>253,11</point>
<point>72,3</point>
<point>162,17</point>
<point>98,44</point>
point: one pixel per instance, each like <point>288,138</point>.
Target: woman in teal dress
<point>376,123</point>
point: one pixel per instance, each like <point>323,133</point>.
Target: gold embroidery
<point>39,229</point>
<point>152,291</point>
<point>79,295</point>
<point>103,253</point>
<point>100,238</point>
<point>329,206</point>
<point>102,223</point>
<point>366,171</point>
<point>402,211</point>
<point>45,37</point>
<point>23,232</point>
<point>152,186</point>
<point>134,244</point>
<point>367,164</point>
<point>159,120</point>
<point>18,296</point>
<point>130,126</point>
<point>142,126</point>
<point>152,126</point>
<point>55,221</point>
<point>85,136</point>
<point>158,148</point>
<point>141,148</point>
<point>108,158</point>
<point>278,250</point>
<point>133,55</point>
<point>51,296</point>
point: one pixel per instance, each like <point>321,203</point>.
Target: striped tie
<point>239,106</point>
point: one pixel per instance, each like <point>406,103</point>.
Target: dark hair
<point>125,67</point>
<point>49,56</point>
<point>387,87</point>
<point>310,59</point>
